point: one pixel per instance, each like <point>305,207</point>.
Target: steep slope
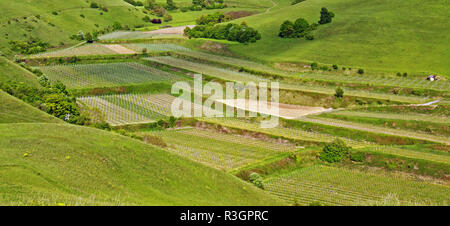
<point>13,110</point>
<point>393,35</point>
<point>50,164</point>
<point>13,72</point>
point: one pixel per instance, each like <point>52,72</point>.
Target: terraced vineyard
<point>101,75</point>
<point>377,129</point>
<point>443,157</point>
<point>217,150</point>
<point>130,108</point>
<point>288,133</point>
<point>333,186</point>
<point>126,35</point>
<point>84,50</point>
<point>233,75</point>
<point>205,69</point>
<point>160,47</point>
<point>441,85</point>
<point>414,117</point>
<point>237,62</point>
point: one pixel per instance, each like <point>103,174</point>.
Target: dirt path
<point>377,129</point>
<point>274,5</point>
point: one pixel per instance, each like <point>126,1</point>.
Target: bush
<point>360,71</point>
<point>335,67</point>
<point>212,19</point>
<point>256,179</point>
<point>167,18</point>
<point>231,32</point>
<point>300,28</point>
<point>358,156</point>
<point>31,46</point>
<point>94,5</point>
<point>333,152</point>
<point>325,16</point>
<point>315,66</point>
<point>339,93</point>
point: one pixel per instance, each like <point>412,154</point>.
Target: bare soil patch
<point>120,49</point>
<point>287,111</point>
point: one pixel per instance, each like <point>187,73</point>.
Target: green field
<point>391,35</point>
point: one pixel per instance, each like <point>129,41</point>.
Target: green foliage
<point>31,46</point>
<point>325,16</point>
<point>299,29</point>
<point>333,152</point>
<point>230,32</point>
<point>360,71</point>
<point>94,5</point>
<point>170,5</point>
<point>315,66</point>
<point>358,156</point>
<point>167,17</point>
<point>52,98</point>
<point>256,179</point>
<point>212,19</point>
<point>339,92</point>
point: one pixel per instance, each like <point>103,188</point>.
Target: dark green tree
<point>301,27</point>
<point>287,29</point>
<point>325,16</point>
<point>339,92</point>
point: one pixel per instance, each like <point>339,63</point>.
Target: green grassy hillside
<point>13,72</point>
<point>53,164</point>
<point>14,110</point>
<point>393,35</point>
<point>24,18</point>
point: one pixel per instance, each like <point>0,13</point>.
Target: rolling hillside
<point>51,164</point>
<point>14,110</point>
<point>393,35</point>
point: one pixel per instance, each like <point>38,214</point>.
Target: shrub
<point>339,93</point>
<point>212,19</point>
<point>358,156</point>
<point>333,152</point>
<point>325,16</point>
<point>360,71</point>
<point>170,5</point>
<point>256,179</point>
<point>335,67</point>
<point>230,32</point>
<point>31,46</point>
<point>167,18</point>
<point>55,13</point>
<point>314,66</point>
<point>94,5</point>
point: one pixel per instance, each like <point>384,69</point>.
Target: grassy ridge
<point>394,35</point>
<point>14,110</point>
<point>49,164</point>
<point>13,72</point>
